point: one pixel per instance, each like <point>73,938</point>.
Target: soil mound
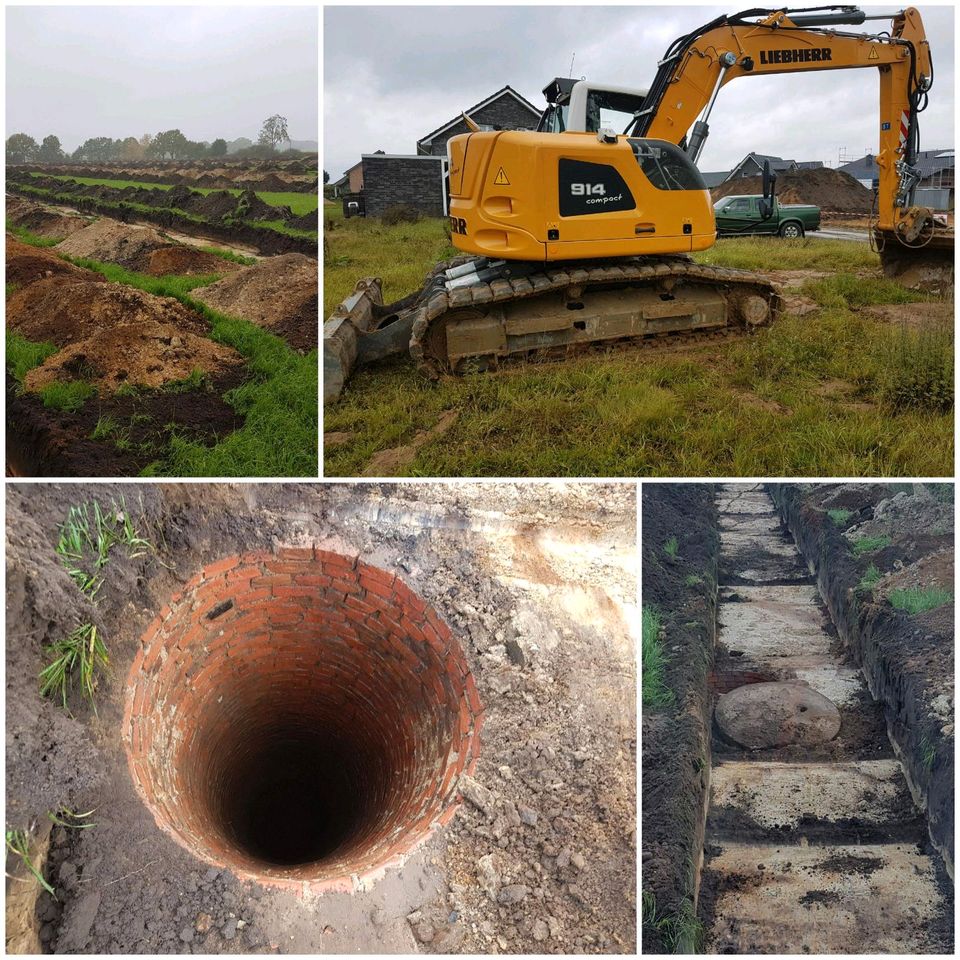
<point>65,313</point>
<point>113,242</point>
<point>184,260</point>
<point>41,220</point>
<point>307,221</point>
<point>213,206</point>
<point>250,207</point>
<point>831,190</point>
<point>26,265</point>
<point>279,293</point>
<point>142,352</point>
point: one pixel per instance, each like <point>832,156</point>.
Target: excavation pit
<point>300,718</point>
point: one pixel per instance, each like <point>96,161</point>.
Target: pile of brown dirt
<point>64,313</point>
<point>113,242</point>
<point>184,260</point>
<point>142,352</point>
<point>279,293</point>
<point>831,190</point>
<point>27,264</point>
<point>41,220</point>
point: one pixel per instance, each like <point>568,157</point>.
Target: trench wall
<point>676,737</point>
<point>871,632</point>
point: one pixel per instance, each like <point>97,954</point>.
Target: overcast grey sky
<point>81,72</point>
<point>393,74</point>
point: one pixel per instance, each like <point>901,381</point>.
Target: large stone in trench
<point>777,714</point>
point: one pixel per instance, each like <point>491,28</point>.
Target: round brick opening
<point>300,718</point>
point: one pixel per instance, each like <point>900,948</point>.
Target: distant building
<point>420,179</point>
<point>714,179</point>
<point>936,167</point>
<point>503,110</point>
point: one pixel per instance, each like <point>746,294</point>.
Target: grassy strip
<point>169,286</point>
<point>279,402</point>
<point>25,236</point>
<point>299,203</point>
<point>681,932</point>
<point>655,692</point>
<point>125,206</point>
<point>230,255</point>
<point>918,600</point>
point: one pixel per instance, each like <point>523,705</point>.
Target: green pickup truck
<point>738,216</point>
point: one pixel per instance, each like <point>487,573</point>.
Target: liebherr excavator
<point>578,235</point>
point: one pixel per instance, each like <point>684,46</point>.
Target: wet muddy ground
<point>537,582</point>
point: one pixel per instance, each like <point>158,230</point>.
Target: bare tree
<point>274,132</point>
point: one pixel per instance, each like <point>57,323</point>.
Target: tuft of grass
<point>927,753</point>
<point>847,290</point>
<point>89,534</point>
<point>18,843</point>
<point>681,932</point>
<point>870,544</point>
<point>869,580</point>
<point>915,600</point>
<point>840,517</point>
<point>671,548</point>
<point>655,692</point>
<point>79,657</point>
<point>918,370</point>
<point>230,255</point>
<point>693,580</point>
<point>71,819</point>
<point>68,397</point>
<point>24,355</point>
<point>196,381</point>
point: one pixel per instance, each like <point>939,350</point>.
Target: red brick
<point>221,566</point>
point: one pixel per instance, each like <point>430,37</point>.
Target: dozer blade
<point>360,331</point>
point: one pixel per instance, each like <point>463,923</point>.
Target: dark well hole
<point>296,799</point>
<point>313,731</point>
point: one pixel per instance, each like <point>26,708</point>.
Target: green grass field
<point>837,392</point>
<point>299,203</point>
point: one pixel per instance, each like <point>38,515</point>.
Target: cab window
<point>741,205</point>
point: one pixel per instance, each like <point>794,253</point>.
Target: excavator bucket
<point>924,262</point>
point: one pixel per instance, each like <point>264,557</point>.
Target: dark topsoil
<point>907,659</point>
<point>676,737</point>
<point>125,887</point>
<point>42,442</point>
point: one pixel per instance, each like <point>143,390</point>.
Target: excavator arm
<point>700,64</point>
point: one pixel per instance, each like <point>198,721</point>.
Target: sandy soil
<point>537,582</point>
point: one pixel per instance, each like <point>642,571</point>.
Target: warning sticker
<point>873,54</point>
<point>501,179</point>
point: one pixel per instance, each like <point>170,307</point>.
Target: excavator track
<point>651,301</point>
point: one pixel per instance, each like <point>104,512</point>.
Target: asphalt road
<point>834,233</point>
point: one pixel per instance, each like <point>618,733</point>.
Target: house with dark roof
<point>420,179</point>
<point>752,166</point>
<point>504,110</point>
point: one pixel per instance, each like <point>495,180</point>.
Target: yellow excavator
<point>577,235</point>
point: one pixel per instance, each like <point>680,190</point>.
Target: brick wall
<point>301,641</point>
<point>391,180</point>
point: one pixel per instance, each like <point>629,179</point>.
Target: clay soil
<point>278,293</point>
<point>831,190</point>
<point>676,749</point>
<point>537,582</point>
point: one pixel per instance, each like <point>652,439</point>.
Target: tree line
<point>168,145</point>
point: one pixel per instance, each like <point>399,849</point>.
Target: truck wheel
<point>791,230</point>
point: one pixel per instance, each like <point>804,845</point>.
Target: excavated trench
<point>300,719</point>
<point>813,843</point>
